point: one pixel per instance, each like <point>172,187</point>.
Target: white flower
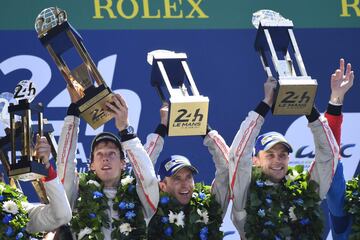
<point>84,232</point>
<point>127,180</point>
<point>26,206</point>
<point>93,182</point>
<point>125,229</point>
<point>204,217</point>
<point>10,207</point>
<point>292,214</point>
<point>292,176</point>
<point>178,219</point>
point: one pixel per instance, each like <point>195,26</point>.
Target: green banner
<point>182,14</point>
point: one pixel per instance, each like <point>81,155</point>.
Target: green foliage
<point>13,214</point>
<point>191,224</point>
<point>352,205</point>
<point>286,210</point>
<point>92,208</point>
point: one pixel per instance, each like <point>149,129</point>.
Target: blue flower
<point>268,201</point>
<point>203,237</point>
<point>355,193</point>
<point>164,200</point>
<point>7,218</point>
<point>164,220</point>
<point>168,231</point>
<point>261,212</point>
<point>299,201</point>
<point>122,205</point>
<point>269,223</point>
<point>19,236</point>
<point>1,198</point>
<point>130,205</point>
<point>130,215</point>
<point>9,231</point>
<point>204,230</point>
<point>277,237</point>
<point>202,195</point>
<point>259,183</point>
<point>97,195</point>
<point>304,221</point>
<point>92,215</point>
<point>131,188</point>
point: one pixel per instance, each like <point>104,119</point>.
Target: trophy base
<point>27,171</point>
<point>188,115</point>
<point>91,106</point>
<point>295,96</point>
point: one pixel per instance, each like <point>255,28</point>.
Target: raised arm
<point>220,154</point>
<point>240,156</point>
<point>155,141</point>
<point>147,183</point>
<point>324,165</point>
<point>66,162</point>
<point>341,82</point>
<point>57,212</point>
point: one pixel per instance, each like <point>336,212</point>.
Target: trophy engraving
<point>275,40</point>
<point>59,37</point>
<point>188,113</point>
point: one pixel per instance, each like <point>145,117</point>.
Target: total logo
<point>41,76</point>
<point>301,139</point>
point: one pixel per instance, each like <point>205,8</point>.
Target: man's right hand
<point>164,114</point>
<point>269,90</point>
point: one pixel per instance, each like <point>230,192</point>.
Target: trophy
<point>59,37</point>
<point>21,134</point>
<point>187,113</point>
<point>295,93</point>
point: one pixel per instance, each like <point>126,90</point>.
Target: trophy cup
<point>295,93</point>
<point>28,167</point>
<point>58,37</point>
<point>187,113</point>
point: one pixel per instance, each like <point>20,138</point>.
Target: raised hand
<point>269,90</point>
<point>119,110</point>
<point>341,82</point>
<point>42,150</point>
<point>164,114</point>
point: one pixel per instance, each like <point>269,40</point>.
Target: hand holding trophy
<point>21,137</point>
<point>59,37</point>
<point>275,39</point>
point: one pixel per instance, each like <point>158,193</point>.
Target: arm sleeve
<point>240,165</point>
<point>147,182</point>
<point>155,143</point>
<point>220,154</point>
<point>66,162</point>
<point>53,215</point>
<point>324,165</point>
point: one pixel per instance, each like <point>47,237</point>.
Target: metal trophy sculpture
<point>275,39</point>
<point>188,114</point>
<point>58,36</point>
<point>27,167</point>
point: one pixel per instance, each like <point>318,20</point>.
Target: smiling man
<point>270,199</point>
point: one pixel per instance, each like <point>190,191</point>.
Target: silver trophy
<point>275,40</point>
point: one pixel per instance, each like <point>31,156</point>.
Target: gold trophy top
<point>48,19</point>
